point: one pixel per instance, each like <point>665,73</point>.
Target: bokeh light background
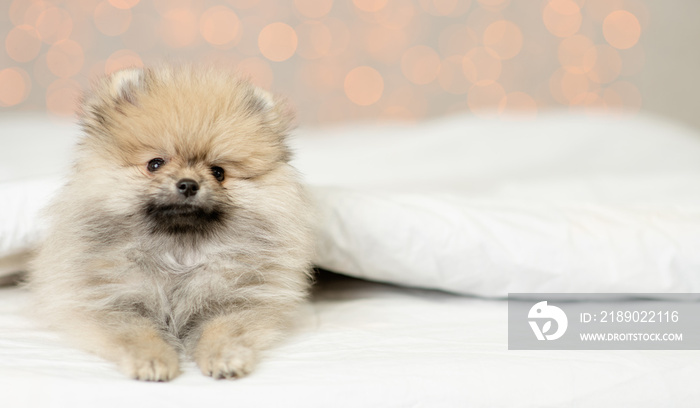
<point>346,60</point>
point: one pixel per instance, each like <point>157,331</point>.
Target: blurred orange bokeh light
<point>277,41</point>
<point>342,60</point>
<point>110,20</point>
<point>364,85</point>
<point>621,29</point>
<point>420,64</point>
<point>504,38</point>
<point>219,25</point>
<point>14,86</point>
<point>122,59</point>
<point>22,43</point>
<point>562,17</point>
<point>65,58</point>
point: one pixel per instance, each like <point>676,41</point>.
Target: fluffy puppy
<point>182,229</point>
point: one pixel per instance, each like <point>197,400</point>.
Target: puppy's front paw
<point>152,365</point>
<point>228,362</point>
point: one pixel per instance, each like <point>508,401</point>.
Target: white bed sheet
<point>359,344</point>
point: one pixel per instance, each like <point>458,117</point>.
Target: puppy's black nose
<point>187,187</point>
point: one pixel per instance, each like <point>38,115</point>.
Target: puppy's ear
<point>121,87</point>
<point>126,83</point>
<point>276,110</point>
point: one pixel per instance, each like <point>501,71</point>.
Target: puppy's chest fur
<point>175,288</point>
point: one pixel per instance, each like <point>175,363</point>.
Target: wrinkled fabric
<point>359,344</point>
<point>564,203</point>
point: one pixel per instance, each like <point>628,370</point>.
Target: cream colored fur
<point>142,292</point>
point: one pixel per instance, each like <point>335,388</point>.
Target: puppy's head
<point>180,148</point>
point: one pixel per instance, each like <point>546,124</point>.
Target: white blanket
<point>564,203</point>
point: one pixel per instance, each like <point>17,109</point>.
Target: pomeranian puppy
<point>182,230</point>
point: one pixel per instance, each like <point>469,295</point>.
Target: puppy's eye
<point>218,173</point>
<point>155,164</point>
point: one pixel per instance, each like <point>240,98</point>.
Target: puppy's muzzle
<point>187,187</point>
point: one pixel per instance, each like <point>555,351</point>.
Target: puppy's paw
<point>152,365</point>
<point>229,362</point>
